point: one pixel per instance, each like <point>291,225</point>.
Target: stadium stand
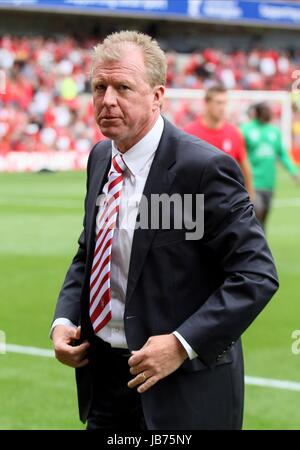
<point>46,105</point>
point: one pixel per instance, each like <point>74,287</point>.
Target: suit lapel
<point>159,181</point>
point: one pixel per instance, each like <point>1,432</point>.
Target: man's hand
<point>63,339</point>
<point>158,358</point>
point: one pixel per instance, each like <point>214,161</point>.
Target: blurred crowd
<point>46,104</point>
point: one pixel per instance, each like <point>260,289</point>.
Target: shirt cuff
<point>61,321</point>
<point>191,353</point>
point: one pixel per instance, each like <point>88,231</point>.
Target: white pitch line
<point>252,381</point>
<point>270,383</point>
<point>28,203</point>
<point>286,202</point>
<point>12,348</point>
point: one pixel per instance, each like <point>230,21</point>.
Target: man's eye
<point>123,87</point>
<point>99,87</point>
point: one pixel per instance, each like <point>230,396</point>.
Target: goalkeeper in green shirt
<point>264,147</point>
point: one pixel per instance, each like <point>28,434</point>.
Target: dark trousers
<point>262,205</point>
<point>116,407</point>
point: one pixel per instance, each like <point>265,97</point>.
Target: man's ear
<point>159,94</point>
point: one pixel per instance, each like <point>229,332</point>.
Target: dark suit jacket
<point>208,290</point>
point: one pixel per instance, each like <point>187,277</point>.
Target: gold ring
<point>144,376</point>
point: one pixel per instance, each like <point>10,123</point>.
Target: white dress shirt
<point>138,160</point>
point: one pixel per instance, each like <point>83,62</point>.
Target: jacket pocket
<point>194,365</point>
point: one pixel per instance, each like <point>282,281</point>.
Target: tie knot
<point>118,163</point>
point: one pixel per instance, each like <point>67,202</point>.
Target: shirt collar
<point>137,156</point>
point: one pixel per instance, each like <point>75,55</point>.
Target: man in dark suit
<point>151,316</point>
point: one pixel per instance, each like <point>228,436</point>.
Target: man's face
<point>216,107</point>
<point>125,105</point>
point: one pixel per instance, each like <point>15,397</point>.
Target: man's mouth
<point>109,117</point>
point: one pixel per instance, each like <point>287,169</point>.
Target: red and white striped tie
<point>100,301</point>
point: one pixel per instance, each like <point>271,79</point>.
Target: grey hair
<point>154,57</point>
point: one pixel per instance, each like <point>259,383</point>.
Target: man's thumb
<point>77,333</point>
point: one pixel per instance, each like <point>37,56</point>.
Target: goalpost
<point>183,105</point>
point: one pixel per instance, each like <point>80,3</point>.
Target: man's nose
<point>110,97</point>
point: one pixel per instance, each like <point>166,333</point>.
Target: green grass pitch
<point>40,220</point>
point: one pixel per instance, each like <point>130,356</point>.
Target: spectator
<point>47,80</point>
